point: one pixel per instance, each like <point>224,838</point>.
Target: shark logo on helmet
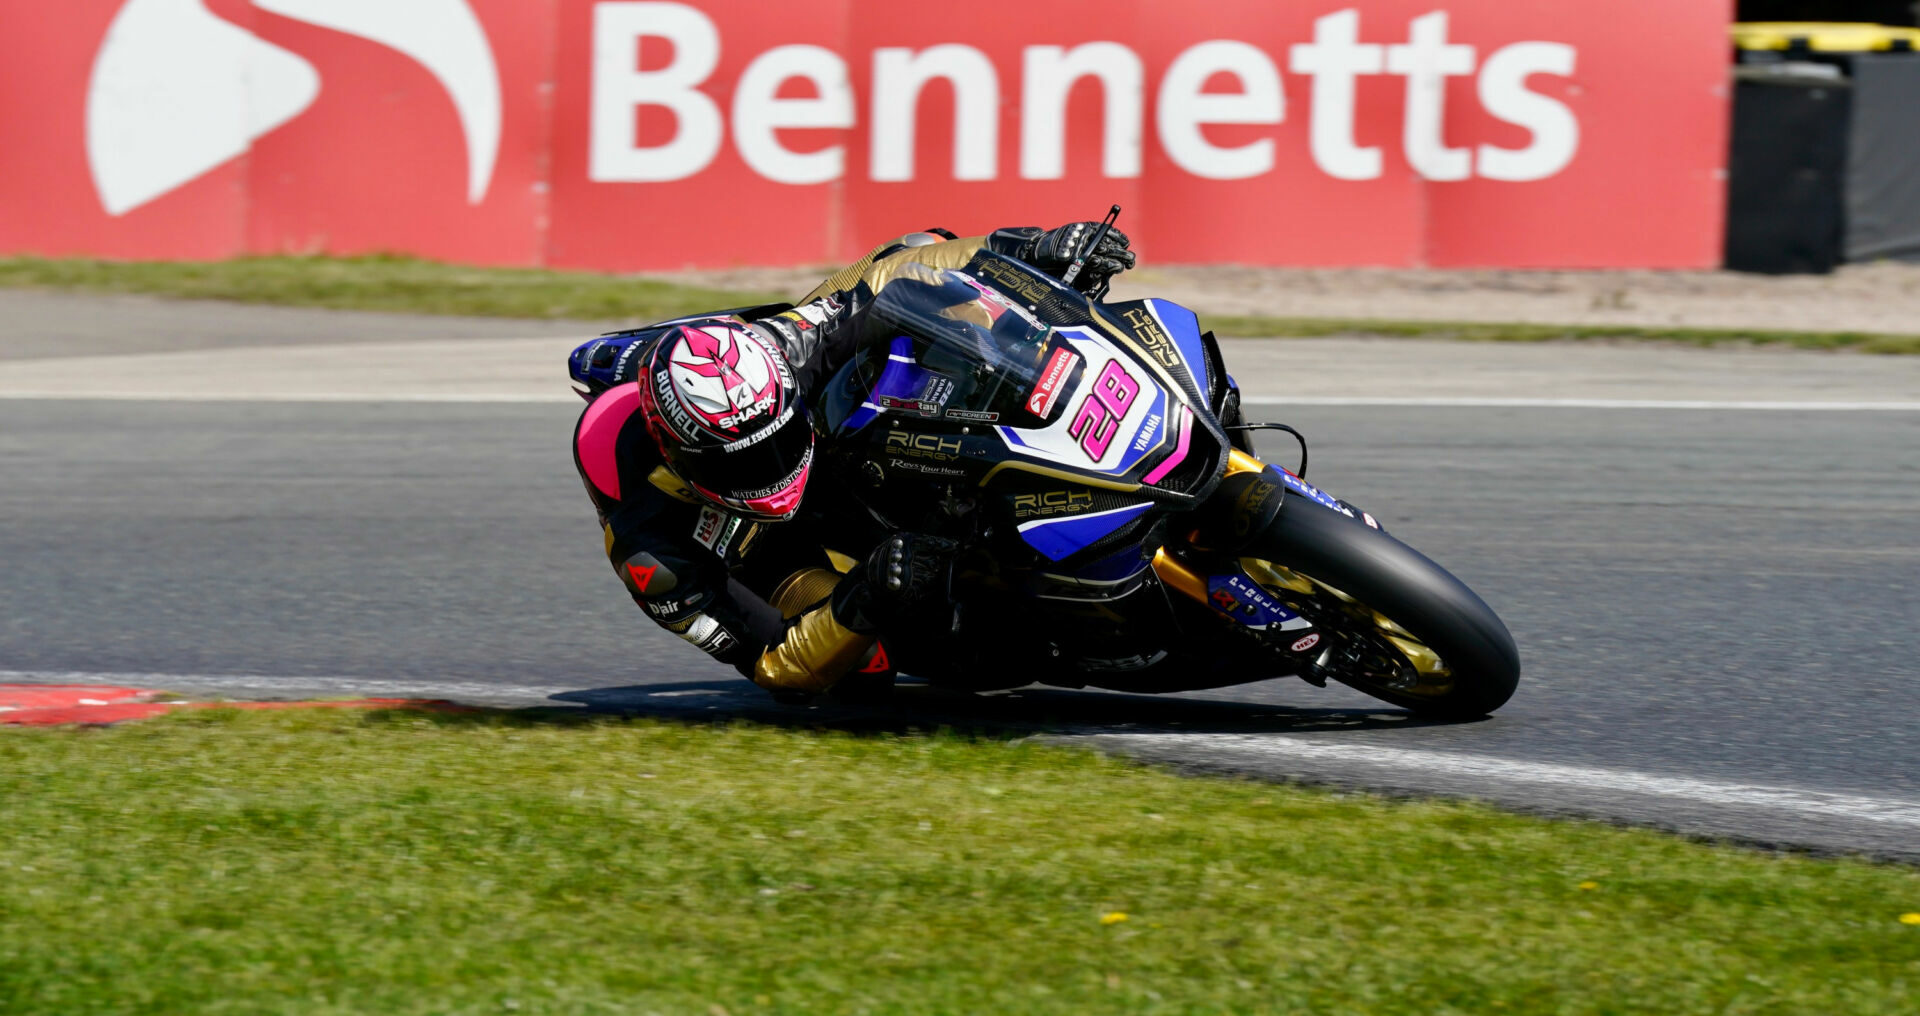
<point>722,374</point>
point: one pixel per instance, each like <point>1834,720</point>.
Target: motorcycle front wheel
<point>1392,623</point>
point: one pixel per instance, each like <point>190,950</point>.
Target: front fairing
<point>1035,382</point>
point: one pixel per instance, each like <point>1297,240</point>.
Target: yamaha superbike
<point>1116,528</point>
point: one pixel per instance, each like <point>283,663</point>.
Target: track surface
<point>1705,600</point>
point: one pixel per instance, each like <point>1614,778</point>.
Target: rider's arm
<point>825,329</point>
<point>683,586</point>
<point>954,252</point>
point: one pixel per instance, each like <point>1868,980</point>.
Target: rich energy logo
<point>176,91</point>
<point>1052,502</point>
<point>925,446</point>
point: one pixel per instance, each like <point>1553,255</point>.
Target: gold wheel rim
<point>1433,678</point>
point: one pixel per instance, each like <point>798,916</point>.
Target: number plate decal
<point>1118,412</point>
<point>1113,394</point>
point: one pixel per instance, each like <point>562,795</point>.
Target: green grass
<point>1468,331</point>
<point>383,283</point>
<point>390,283</point>
<point>327,862</point>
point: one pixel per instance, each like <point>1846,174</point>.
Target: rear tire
<point>1380,575</point>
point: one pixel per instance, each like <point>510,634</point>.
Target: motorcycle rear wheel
<point>1398,626</point>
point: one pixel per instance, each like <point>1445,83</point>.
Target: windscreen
<point>942,344</point>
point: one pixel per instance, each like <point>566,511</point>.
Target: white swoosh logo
<point>176,91</point>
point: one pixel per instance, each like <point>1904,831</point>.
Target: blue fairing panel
<point>1058,538</point>
<point>901,378</point>
<point>1184,326</point>
<point>1124,563</point>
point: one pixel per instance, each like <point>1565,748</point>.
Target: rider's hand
<point>1055,249</point>
<point>904,571</point>
<point>908,566</point>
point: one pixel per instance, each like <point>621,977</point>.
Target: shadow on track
<point>919,707</point>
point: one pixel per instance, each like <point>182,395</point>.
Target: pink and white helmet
<point>720,401</point>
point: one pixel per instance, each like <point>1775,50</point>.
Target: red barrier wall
<point>660,135</point>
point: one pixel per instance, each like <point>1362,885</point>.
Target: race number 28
<point>1113,394</point>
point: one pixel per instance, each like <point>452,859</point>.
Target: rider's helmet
<point>720,401</point>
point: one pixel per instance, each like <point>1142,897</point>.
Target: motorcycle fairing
<point>1063,537</point>
<point>1113,577</point>
<point>964,349</point>
<point>1184,326</point>
<point>1087,437</point>
<point>1125,563</point>
<point>1146,329</point>
<point>1174,322</point>
<point>1183,440</point>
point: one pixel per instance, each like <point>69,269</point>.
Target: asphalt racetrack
<point>1715,589</point>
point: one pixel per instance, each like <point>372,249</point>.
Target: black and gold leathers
<point>716,602</point>
<point>818,649</point>
<point>883,262</point>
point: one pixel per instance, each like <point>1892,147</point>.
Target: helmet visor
<point>761,475</point>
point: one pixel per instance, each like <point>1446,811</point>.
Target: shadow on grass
<point>919,708</point>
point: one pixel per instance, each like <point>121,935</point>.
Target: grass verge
<point>1469,331</point>
<point>389,283</point>
<point>322,862</point>
<point>382,283</point>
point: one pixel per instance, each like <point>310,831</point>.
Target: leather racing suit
<point>751,594</point>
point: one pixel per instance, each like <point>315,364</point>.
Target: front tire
<point>1400,627</point>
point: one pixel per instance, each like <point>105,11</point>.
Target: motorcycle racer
<point>697,445</point>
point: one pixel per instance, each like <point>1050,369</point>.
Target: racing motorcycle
<point>1116,529</point>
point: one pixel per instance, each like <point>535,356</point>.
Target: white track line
<point>1807,804</point>
<point>1475,402</point>
<point>1783,800</point>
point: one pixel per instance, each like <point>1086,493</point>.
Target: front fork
<point>1235,588</point>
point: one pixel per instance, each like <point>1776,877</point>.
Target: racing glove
<point>1054,250</point>
<point>903,572</point>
